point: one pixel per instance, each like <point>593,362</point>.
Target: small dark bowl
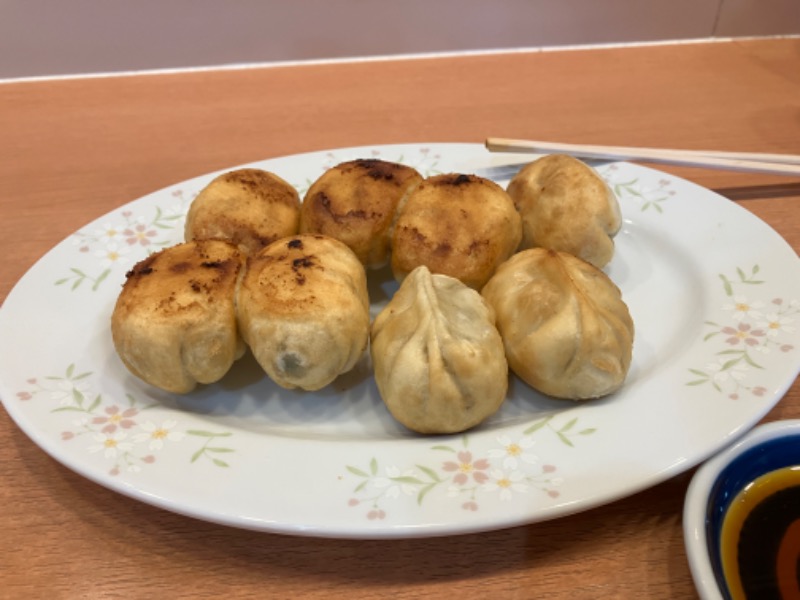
<point>715,485</point>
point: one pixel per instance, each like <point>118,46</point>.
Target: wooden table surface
<point>72,150</point>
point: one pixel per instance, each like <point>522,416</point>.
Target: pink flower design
<point>466,468</point>
<point>139,234</point>
<point>759,390</point>
<point>744,334</point>
<point>470,505</point>
<point>116,419</point>
<point>24,395</point>
<point>376,514</point>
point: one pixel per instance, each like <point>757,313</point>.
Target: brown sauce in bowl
<point>760,539</point>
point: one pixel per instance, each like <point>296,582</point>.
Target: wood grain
<point>75,149</point>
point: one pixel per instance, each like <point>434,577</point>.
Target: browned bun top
<point>455,224</point>
<point>355,202</point>
<point>249,207</point>
<point>174,322</point>
<point>303,273</point>
<point>181,279</point>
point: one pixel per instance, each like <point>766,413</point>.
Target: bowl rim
<point>696,501</point>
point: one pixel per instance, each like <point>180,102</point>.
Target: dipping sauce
<point>760,539</point>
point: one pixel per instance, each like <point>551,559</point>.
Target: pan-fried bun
<point>566,330</point>
<point>566,206</point>
<point>174,323</point>
<point>248,207</point>
<point>459,225</point>
<point>304,311</point>
<point>355,203</point>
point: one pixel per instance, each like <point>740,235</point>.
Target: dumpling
<point>566,329</point>
<point>248,207</point>
<point>455,224</point>
<point>174,322</point>
<point>566,206</point>
<point>304,311</point>
<point>355,202</point>
<point>438,357</point>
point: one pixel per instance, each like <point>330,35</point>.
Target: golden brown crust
<point>354,202</point>
<point>174,322</point>
<point>304,311</point>
<point>459,225</point>
<point>566,329</point>
<point>249,207</point>
<point>566,206</point>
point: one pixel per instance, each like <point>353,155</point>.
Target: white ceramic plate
<point>714,293</point>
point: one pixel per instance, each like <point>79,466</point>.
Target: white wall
<point>52,37</point>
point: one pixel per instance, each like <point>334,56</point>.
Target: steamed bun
<point>566,206</point>
<point>566,330</point>
<point>438,357</point>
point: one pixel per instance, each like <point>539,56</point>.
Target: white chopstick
<point>784,164</point>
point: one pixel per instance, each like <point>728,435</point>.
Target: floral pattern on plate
<point>646,193</point>
<point>508,468</point>
<point>122,240</point>
<point>119,431</point>
<point>751,331</point>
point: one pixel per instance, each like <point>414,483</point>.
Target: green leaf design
<point>429,472</point>
<point>751,362</point>
<point>565,439</point>
<point>197,455</point>
<point>373,466</point>
<point>444,448</point>
<point>730,363</point>
<point>537,425</point>
<point>208,434</point>
<point>77,396</point>
<point>726,285</point>
<point>424,492</point>
<point>100,279</point>
<point>220,463</point>
<point>218,449</point>
<point>357,471</point>
<point>570,424</point>
<point>407,479</point>
<point>94,404</point>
